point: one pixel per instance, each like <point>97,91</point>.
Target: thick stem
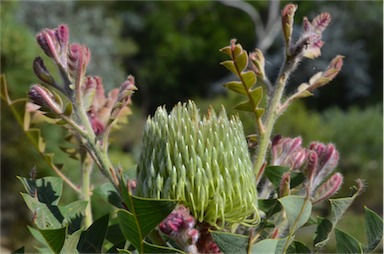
<point>273,113</point>
<point>86,171</point>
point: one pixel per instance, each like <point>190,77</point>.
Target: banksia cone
<point>204,163</point>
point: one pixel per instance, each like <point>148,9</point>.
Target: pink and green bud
<point>287,19</point>
<point>78,59</point>
<point>48,102</point>
<point>42,72</point>
<point>288,152</point>
<point>328,188</point>
<point>258,63</point>
<point>54,43</point>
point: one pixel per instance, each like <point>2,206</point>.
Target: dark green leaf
<point>19,250</point>
<point>373,229</point>
<point>299,247</point>
<point>108,193</point>
<point>70,245</point>
<point>230,243</point>
<point>68,109</point>
<point>298,210</point>
<point>269,206</point>
<point>115,248</point>
<point>91,241</point>
<point>323,230</point>
<point>236,86</point>
<point>346,243</point>
<point>55,238</point>
<point>114,234</point>
<point>47,189</point>
<point>274,174</point>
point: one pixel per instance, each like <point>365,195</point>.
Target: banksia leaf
<point>203,162</point>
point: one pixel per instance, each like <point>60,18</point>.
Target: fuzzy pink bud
<point>285,186</point>
<point>45,99</point>
<point>42,72</point>
<point>328,188</point>
<point>287,16</point>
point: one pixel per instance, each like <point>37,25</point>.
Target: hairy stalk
<point>86,170</point>
<point>273,112</point>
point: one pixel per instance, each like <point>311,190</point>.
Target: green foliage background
<point>172,49</point>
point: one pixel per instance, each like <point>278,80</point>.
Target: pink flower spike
<point>328,188</point>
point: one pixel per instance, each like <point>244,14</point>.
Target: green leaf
<point>68,109</point>
<point>70,244</point>
<point>269,206</point>
<point>345,243</point>
<point>19,250</point>
<point>265,246</point>
<point>55,238</point>
<point>47,189</point>
<point>323,230</point>
<point>226,50</point>
<point>114,234</point>
<point>256,95</point>
<point>298,210</point>
<point>91,241</point>
<point>231,243</point>
<point>275,173</point>
<point>249,78</point>
<point>230,66</point>
<point>45,215</point>
<point>108,193</point>
<point>373,229</point>
<point>73,214</point>
<point>245,106</point>
<point>300,247</point>
<point>236,86</point>
<point>241,61</point>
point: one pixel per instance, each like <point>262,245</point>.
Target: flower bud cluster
<point>180,226</point>
<point>204,163</point>
<point>316,163</point>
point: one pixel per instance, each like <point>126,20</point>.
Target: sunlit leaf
<point>47,189</point>
<point>298,210</point>
<point>236,86</point>
<point>241,61</point>
<point>230,66</point>
<point>249,78</point>
<point>70,244</point>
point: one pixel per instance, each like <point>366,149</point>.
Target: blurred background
<point>172,50</point>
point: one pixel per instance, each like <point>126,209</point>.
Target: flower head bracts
<point>203,162</point>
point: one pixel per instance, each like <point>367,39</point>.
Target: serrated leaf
<point>249,78</point>
<point>373,229</point>
<point>345,243</point>
<point>73,214</point>
<point>55,238</point>
<point>241,61</point>
<point>91,240</point>
<point>47,189</point>
<point>236,87</point>
<point>298,210</point>
<point>231,243</point>
<point>229,64</point>
<point>70,244</point>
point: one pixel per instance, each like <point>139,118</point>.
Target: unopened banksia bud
<point>204,163</point>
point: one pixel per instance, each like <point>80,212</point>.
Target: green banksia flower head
<point>203,162</point>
